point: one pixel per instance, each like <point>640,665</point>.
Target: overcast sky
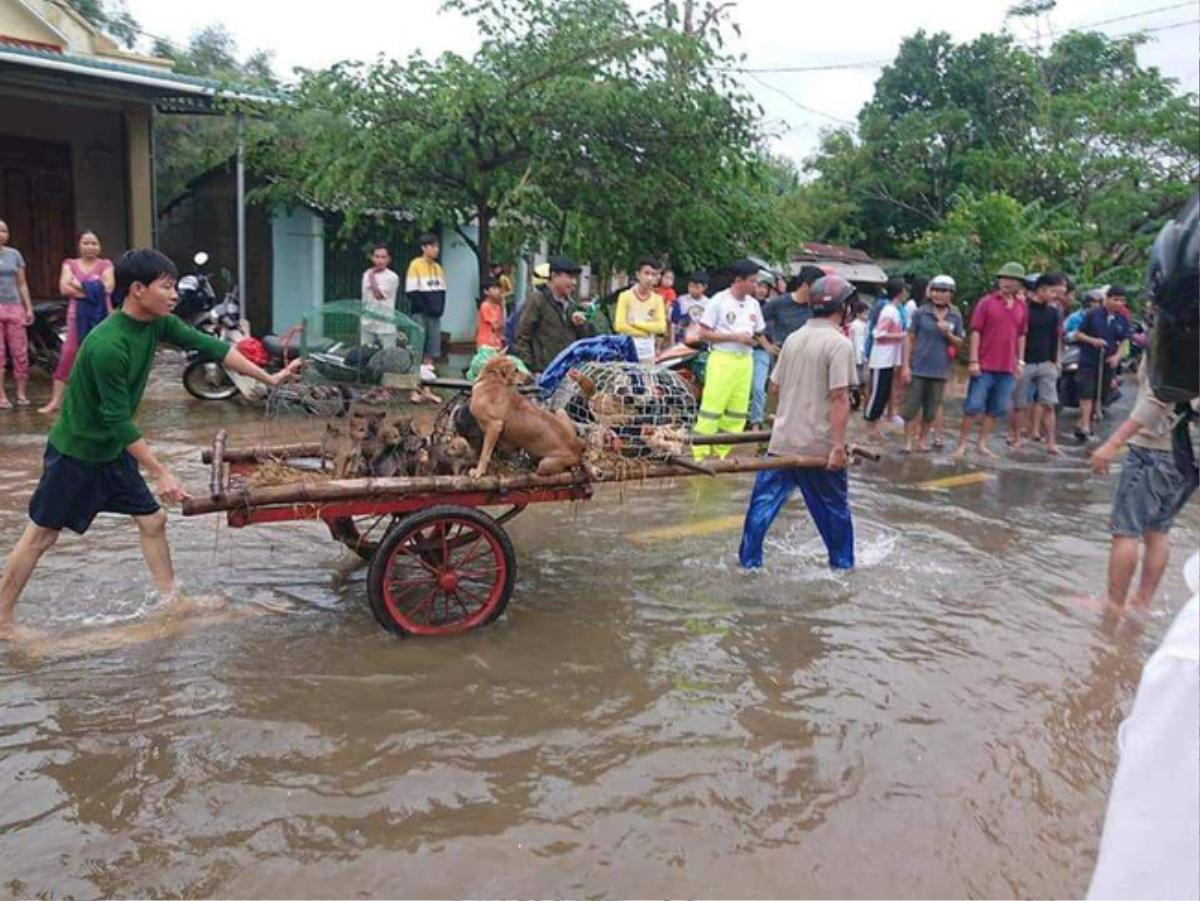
<point>775,33</point>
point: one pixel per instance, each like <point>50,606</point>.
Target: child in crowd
<point>641,313</point>
<point>489,328</point>
<point>858,338</point>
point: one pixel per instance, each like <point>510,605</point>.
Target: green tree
<point>581,121</point>
<point>186,145</point>
<point>111,17</point>
<point>1083,130</point>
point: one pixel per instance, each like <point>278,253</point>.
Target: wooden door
<point>37,201</point>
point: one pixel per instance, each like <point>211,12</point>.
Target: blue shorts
<point>989,392</point>
<point>71,491</point>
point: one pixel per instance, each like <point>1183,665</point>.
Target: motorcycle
<point>205,379</point>
<point>197,297</point>
<point>47,335</point>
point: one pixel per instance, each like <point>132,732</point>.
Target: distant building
<point>295,260</point>
<point>850,263</point>
<point>76,147</point>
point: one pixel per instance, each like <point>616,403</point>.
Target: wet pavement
<point>645,720</point>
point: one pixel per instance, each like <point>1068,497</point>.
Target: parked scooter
<point>205,379</point>
<point>47,335</point>
<point>197,297</point>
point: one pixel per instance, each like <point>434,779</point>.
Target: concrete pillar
<point>141,176</point>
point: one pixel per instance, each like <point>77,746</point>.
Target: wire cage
<point>635,401</point>
<point>348,342</point>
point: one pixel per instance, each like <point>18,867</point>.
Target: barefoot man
<point>1151,491</point>
<point>998,328</point>
<point>94,450</point>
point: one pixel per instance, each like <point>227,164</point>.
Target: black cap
<point>1116,290</point>
<point>699,277</point>
<point>744,268</point>
<point>564,264</point>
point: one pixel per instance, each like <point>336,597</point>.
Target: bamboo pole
<point>758,437</point>
<point>215,486</point>
<point>380,488</point>
<point>257,452</point>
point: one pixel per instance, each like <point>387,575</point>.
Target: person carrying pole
<point>813,376</point>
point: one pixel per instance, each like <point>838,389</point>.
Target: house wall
<point>298,266</point>
<point>206,219</point>
<point>96,137</point>
<point>19,22</point>
<point>462,284</point>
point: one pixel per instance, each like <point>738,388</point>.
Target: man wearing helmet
<point>813,376</point>
<point>934,337</point>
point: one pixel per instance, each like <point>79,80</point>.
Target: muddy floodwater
<point>645,720</point>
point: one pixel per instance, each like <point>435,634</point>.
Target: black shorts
<point>71,491</point>
<point>1088,380</point>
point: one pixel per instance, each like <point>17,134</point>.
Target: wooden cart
<point>438,563</point>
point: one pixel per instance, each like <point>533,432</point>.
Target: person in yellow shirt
<point>641,312</point>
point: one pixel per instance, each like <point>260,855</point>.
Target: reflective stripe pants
<point>727,379</point>
<point>827,494</point>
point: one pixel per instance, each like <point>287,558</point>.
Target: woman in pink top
<point>89,266</point>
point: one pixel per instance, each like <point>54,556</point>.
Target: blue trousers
<point>758,387</point>
<point>827,494</point>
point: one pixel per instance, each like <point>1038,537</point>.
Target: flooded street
<point>646,720</point>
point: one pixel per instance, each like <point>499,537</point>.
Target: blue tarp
<point>600,349</point>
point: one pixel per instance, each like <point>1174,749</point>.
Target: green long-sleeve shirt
<point>108,378</point>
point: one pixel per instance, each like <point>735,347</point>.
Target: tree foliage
<point>111,17</point>
<point>190,145</point>
<point>608,132</point>
<point>1083,139</point>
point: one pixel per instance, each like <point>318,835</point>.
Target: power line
<point>876,64</point>
<point>866,64</point>
<point>798,104</point>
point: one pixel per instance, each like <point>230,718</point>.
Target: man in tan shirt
<point>813,376</point>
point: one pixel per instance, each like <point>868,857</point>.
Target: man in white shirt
<point>887,353</point>
<point>732,324</point>
<point>379,288</point>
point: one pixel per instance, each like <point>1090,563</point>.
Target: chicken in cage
<point>636,408</point>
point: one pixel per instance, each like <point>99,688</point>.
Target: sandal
<point>5,405</point>
<point>22,401</point>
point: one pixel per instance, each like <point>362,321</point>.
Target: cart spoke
<point>472,550</point>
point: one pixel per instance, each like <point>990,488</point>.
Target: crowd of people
<point>811,338</point>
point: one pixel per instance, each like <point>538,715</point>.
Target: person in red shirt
<point>998,328</point>
<point>489,326</point>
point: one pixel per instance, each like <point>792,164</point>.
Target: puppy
<point>511,421</point>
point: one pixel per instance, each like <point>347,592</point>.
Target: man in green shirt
<point>93,451</point>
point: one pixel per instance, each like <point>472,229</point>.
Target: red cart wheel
<point>442,570</point>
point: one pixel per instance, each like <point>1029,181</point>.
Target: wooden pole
<point>756,437</point>
<point>216,486</point>
<point>359,489</point>
<point>258,452</point>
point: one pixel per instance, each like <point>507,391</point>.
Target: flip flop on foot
<point>22,401</point>
<point>5,404</point>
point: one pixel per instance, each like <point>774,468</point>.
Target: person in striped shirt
<point>425,288</point>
